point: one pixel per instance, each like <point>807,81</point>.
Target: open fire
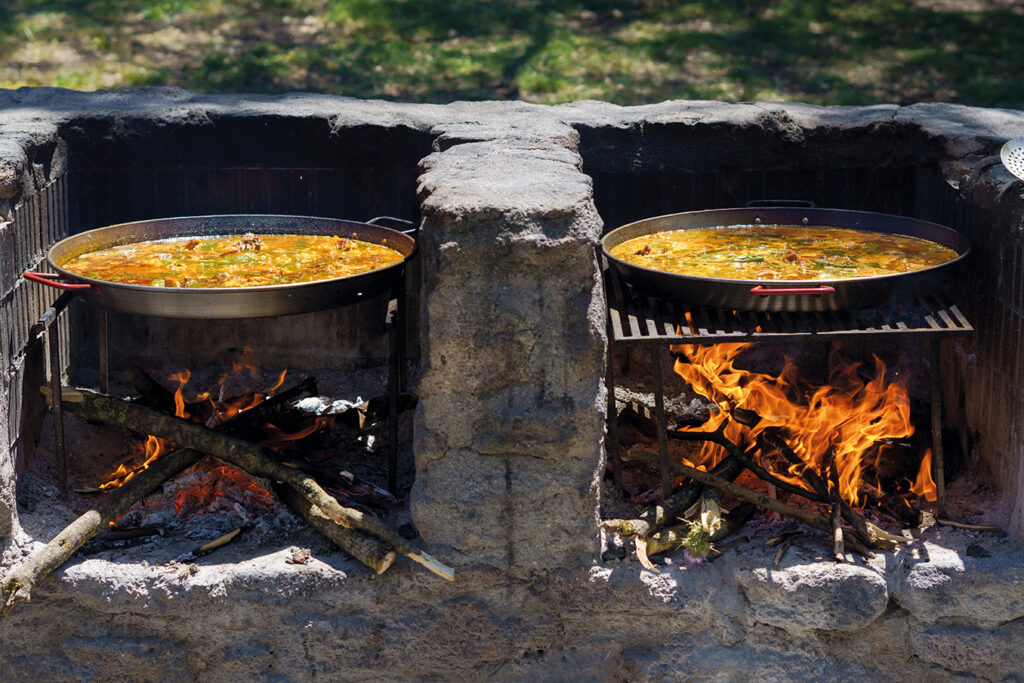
<point>840,457</point>
<point>850,424</point>
<point>210,485</point>
<point>288,430</point>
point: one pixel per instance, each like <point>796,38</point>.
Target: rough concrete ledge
<point>248,612</point>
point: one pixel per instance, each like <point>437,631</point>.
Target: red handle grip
<point>761,290</point>
<point>49,279</point>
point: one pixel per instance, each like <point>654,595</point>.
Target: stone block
<point>506,511</point>
<point>801,598</point>
<point>944,582</point>
<point>968,650</point>
<point>12,169</point>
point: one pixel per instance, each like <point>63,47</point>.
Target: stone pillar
<point>509,428</point>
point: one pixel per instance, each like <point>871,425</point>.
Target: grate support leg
<point>104,351</point>
<point>394,324</point>
<point>938,467</point>
<point>659,416</point>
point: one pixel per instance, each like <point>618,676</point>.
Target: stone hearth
<point>508,359</point>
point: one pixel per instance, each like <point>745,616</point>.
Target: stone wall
<point>508,434</point>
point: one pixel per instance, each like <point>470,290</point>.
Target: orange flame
<point>924,485</point>
<point>278,437</point>
<point>179,395</point>
<point>218,412</point>
<point>841,420</point>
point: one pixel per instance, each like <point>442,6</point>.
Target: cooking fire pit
<point>507,359</point>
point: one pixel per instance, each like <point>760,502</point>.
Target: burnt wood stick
<point>867,532</point>
<point>18,585</point>
<point>749,463</point>
<point>783,549</point>
<point>270,409</point>
<point>242,454</point>
<point>369,550</point>
<point>684,498</point>
<point>760,500</point>
<point>151,393</point>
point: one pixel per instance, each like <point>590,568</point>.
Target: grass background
<point>548,51</point>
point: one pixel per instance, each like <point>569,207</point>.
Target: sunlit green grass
<point>546,51</point>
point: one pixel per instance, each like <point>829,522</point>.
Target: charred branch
<point>867,532</point>
<point>718,437</point>
<point>673,537</point>
<point>254,459</point>
<point>18,585</point>
<point>270,409</point>
<point>760,500</point>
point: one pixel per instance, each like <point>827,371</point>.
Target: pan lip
<point>228,291</point>
<point>781,284</point>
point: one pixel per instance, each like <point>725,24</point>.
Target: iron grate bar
<point>640,319</point>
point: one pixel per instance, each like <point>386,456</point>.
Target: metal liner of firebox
<point>636,319</point>
<point>46,328</point>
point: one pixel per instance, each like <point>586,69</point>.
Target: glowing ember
<point>212,485</point>
<point>841,421</point>
<point>220,487</point>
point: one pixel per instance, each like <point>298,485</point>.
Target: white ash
<point>322,405</point>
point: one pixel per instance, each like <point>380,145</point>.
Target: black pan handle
<point>781,203</point>
<point>410,228</point>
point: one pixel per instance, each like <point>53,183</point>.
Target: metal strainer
<point>1012,155</point>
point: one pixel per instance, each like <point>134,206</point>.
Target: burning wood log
<point>718,437</point>
<point>155,395</point>
<point>18,585</point>
<point>270,408</point>
<point>757,499</point>
<point>151,392</point>
<point>242,454</point>
<point>868,533</point>
<point>369,550</point>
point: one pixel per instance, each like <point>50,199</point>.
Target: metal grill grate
<point>640,320</point>
<point>636,318</point>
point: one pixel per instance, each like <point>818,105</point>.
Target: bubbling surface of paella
<point>781,252</point>
<point>247,260</point>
